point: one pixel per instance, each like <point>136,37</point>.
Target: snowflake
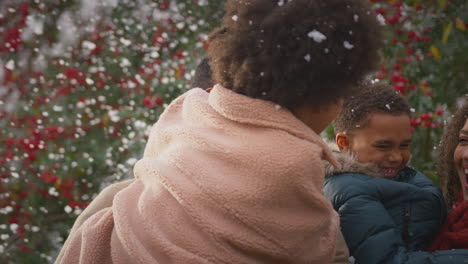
<point>317,36</point>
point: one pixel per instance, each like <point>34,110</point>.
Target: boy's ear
<point>342,141</point>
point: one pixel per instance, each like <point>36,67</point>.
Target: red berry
<point>147,101</point>
<point>158,100</point>
<point>393,20</point>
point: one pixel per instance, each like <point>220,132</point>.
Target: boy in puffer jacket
<point>389,212</point>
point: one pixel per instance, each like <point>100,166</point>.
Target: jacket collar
<point>350,164</point>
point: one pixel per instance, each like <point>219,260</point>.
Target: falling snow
<point>348,45</point>
<point>381,19</point>
<point>316,36</point>
<point>356,18</point>
<point>10,65</point>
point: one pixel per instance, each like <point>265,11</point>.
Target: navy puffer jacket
<point>388,221</point>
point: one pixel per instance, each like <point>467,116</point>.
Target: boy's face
<point>384,141</point>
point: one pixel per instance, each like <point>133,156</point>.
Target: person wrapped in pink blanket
<point>235,175</point>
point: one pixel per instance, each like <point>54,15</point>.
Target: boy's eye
<point>405,146</point>
<point>381,146</point>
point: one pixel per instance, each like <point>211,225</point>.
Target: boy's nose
<point>395,156</point>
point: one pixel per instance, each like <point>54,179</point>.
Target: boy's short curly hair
<point>369,99</point>
<point>295,52</point>
<point>446,170</point>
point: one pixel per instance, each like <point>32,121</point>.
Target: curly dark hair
<point>446,171</point>
<point>295,52</point>
<point>370,98</point>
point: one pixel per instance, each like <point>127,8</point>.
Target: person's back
<point>389,212</point>
<point>235,175</point>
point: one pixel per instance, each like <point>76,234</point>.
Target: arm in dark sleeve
<point>428,211</point>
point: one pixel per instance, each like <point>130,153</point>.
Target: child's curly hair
<point>446,170</point>
<point>295,52</point>
<point>370,98</point>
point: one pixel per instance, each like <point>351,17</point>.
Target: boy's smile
<point>384,140</point>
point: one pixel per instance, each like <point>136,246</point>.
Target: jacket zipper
<point>406,235</point>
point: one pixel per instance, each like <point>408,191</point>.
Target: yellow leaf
<point>447,31</point>
<point>443,4</point>
<point>460,24</point>
<point>416,2</point>
<point>14,76</point>
<point>435,52</point>
<point>105,119</point>
<point>177,73</point>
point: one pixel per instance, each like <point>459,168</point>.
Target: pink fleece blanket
<point>224,179</point>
